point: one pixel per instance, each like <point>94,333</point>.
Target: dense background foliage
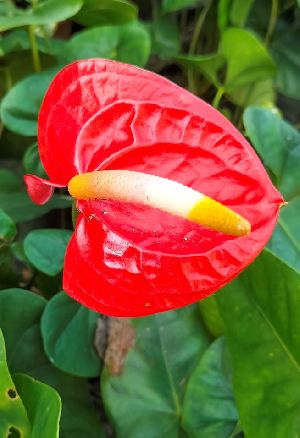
<point>226,367</point>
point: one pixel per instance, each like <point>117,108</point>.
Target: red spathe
<point>132,260</point>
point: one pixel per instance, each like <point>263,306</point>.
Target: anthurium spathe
<point>152,238</point>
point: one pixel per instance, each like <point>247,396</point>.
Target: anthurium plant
<point>149,209</point>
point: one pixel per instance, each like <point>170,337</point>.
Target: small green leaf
<point>45,249</point>
<point>68,334</point>
<point>176,5</point>
<point>43,406</point>
<point>32,162</point>
<point>239,12</point>
<point>247,58</point>
<point>8,228</point>
<point>165,37</point>
<point>128,43</point>
<point>13,416</point>
<point>20,106</point>
<point>167,348</point>
<point>261,314</point>
<point>209,408</point>
<point>211,316</point>
<point>20,314</point>
<point>278,144</point>
<point>208,65</point>
<point>45,12</point>
<point>104,12</point>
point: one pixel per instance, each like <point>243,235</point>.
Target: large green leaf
<point>127,43</point>
<point>259,93</point>
<point>13,415</point>
<point>103,12</point>
<point>46,248</point>
<point>208,65</point>
<point>285,49</point>
<point>20,106</point>
<point>247,59</point>
<point>20,314</point>
<point>209,409</point>
<point>8,228</point>
<point>67,327</point>
<point>167,348</point>
<point>45,12</point>
<point>261,314</point>
<point>278,144</point>
<point>43,406</point>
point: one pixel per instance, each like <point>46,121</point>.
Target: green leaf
<point>285,49</point>
<point>247,58</point>
<point>20,314</point>
<point>45,12</point>
<point>239,12</point>
<point>9,182</point>
<point>43,406</point>
<point>278,144</point>
<point>259,93</point>
<point>8,228</point>
<point>128,43</point>
<point>13,416</point>
<point>165,37</point>
<point>209,408</point>
<point>103,12</point>
<point>211,316</point>
<point>32,163</point>
<point>261,314</point>
<point>20,106</point>
<point>223,14</point>
<point>21,209</point>
<point>67,327</point>
<point>176,5</point>
<point>208,65</point>
<point>167,348</point>
<point>46,248</point>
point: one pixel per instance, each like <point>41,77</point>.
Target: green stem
<point>272,21</point>
<point>194,42</point>
<point>218,97</point>
<point>34,49</point>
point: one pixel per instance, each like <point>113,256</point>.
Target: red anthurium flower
<point>139,247</point>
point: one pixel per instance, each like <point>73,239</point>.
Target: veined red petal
<point>39,189</point>
<point>85,87</point>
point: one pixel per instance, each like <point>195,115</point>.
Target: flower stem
<point>193,46</point>
<point>218,97</point>
<point>272,21</point>
<point>34,49</point>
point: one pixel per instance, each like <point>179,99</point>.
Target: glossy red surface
<point>131,260</point>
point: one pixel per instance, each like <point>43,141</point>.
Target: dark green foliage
<point>226,367</point>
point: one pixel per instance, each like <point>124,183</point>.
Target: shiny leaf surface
<point>67,328</point>
<point>45,249</point>
<point>278,143</point>
<point>103,12</point>
<point>260,311</point>
<point>43,406</point>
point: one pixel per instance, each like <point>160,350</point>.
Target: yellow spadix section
<point>164,194</point>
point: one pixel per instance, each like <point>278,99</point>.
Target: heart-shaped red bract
<point>126,259</point>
